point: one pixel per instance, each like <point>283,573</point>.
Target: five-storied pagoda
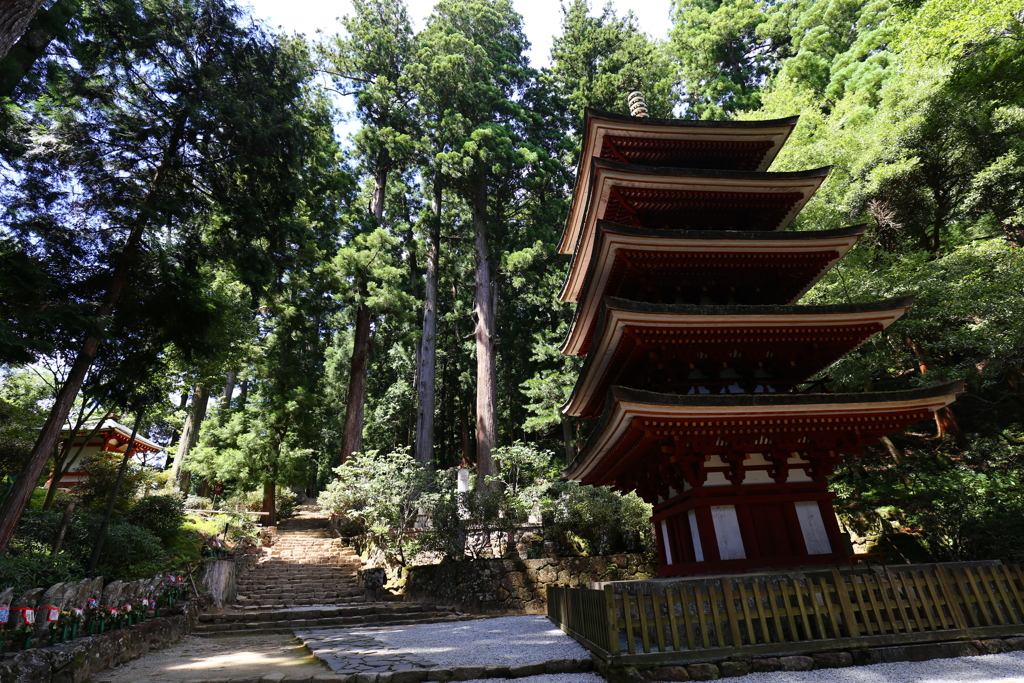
<point>698,361</point>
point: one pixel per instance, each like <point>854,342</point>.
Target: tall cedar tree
<point>371,62</point>
<point>472,72</point>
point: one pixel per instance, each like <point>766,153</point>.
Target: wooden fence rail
<point>790,612</point>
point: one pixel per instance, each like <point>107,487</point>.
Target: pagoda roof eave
<point>704,312</point>
<point>598,124</point>
<point>613,237</point>
<point>606,175</point>
<point>592,113</point>
<point>623,405</point>
<point>583,192</point>
<point>125,434</point>
<point>618,314</point>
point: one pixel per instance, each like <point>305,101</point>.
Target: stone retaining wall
<point>513,586</point>
<point>741,665</point>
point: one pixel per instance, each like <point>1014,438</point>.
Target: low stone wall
<point>513,586</point>
<point>742,665</point>
<point>77,660</point>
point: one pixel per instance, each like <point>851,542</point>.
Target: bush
<point>492,514</point>
<point>22,573</point>
<point>591,520</point>
<point>383,492</point>
<point>130,553</point>
<point>162,515</point>
<point>100,476</point>
<point>253,502</point>
<point>193,502</point>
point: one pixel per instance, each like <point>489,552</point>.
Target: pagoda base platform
<point>741,528</point>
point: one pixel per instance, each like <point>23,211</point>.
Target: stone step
<point>287,626</point>
<point>323,611</point>
<point>306,566</point>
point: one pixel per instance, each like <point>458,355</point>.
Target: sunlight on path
<point>197,658</point>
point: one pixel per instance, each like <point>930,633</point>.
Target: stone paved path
<point>351,653</point>
<point>196,658</point>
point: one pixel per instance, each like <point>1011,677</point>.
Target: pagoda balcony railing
<point>772,613</point>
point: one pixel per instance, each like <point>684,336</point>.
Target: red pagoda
<point>699,366</point>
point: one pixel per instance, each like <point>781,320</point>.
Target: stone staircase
<point>288,620</point>
<point>304,567</point>
<point>308,580</point>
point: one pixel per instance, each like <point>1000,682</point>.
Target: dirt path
<point>228,657</point>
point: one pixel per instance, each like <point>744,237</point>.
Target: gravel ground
<point>510,641</point>
<point>1004,668</point>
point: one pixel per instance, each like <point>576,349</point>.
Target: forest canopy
<point>186,237</point>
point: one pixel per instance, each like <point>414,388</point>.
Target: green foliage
<point>197,503</point>
<point>382,492</point>
<point>252,501</point>
<point>962,508</point>
<point>589,520</point>
<point>129,552</point>
<point>100,472</point>
<point>724,51</point>
<point>163,515</point>
<point>23,573</point>
<point>596,61</point>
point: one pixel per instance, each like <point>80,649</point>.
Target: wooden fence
<point>697,619</point>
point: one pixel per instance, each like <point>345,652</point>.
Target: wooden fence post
<point>613,621</point>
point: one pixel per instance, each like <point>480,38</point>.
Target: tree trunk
<point>464,439</point>
<point>270,503</point>
<point>243,394</point>
<point>428,343</point>
<point>35,40</point>
<point>352,440</point>
<point>189,437</point>
<point>569,438</point>
<point>182,402</point>
<point>229,389</point>
<point>64,522</point>
<point>380,182</point>
<point>483,333</point>
<point>946,423</point>
<point>14,18</point>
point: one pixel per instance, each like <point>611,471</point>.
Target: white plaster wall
<point>727,529</point>
<point>813,528</point>
<point>698,549</point>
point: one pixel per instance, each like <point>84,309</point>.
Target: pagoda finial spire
<point>637,104</point>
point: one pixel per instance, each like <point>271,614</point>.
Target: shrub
<point>100,476</point>
<point>591,520</point>
<point>193,502</point>
<point>524,475</point>
<point>162,515</point>
<point>383,492</point>
<point>252,501</point>
<point>130,553</point>
<point>23,573</point>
